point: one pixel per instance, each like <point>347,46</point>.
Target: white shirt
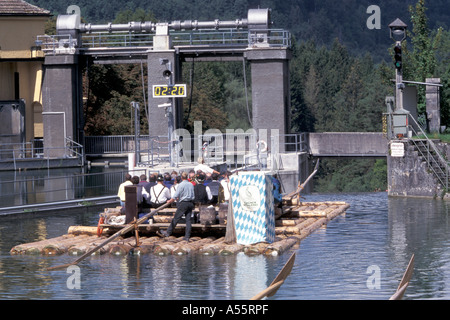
<point>173,189</point>
<point>159,193</point>
<point>226,189</point>
<point>203,167</point>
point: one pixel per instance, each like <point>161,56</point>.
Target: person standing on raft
<point>185,204</point>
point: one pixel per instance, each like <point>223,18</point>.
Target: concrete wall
<point>294,168</point>
<point>271,102</point>
<point>61,102</point>
<point>348,144</point>
<point>158,122</point>
<point>409,176</point>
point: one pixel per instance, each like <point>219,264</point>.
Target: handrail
<point>440,161</point>
<point>14,152</point>
<point>66,44</point>
<point>155,148</point>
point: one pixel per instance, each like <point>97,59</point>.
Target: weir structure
<point>163,47</point>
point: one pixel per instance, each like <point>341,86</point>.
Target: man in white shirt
<point>203,167</point>
<point>159,194</point>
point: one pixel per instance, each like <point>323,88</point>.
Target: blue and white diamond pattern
<point>256,225</point>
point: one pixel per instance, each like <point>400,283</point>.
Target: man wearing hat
<point>159,193</point>
<point>202,193</point>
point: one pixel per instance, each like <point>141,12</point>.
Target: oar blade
<point>278,281</point>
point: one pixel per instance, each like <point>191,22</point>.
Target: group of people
<point>201,185</point>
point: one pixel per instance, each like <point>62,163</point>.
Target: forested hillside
<point>340,71</point>
<point>318,20</point>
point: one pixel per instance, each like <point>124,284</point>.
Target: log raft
<point>294,224</point>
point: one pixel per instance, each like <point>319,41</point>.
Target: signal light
<point>398,56</point>
<point>167,74</point>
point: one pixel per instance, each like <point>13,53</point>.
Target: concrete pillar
<point>62,103</point>
<point>433,105</point>
<point>158,62</point>
<point>271,104</point>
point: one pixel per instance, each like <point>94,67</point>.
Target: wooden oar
<point>119,233</point>
<point>408,273</point>
<point>398,295</point>
<point>302,186</point>
<point>278,281</point>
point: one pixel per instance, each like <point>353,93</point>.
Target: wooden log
<point>327,203</point>
<point>304,224</point>
<point>57,246</point>
<point>22,248</point>
<point>231,249</point>
<point>192,246</point>
<point>86,230</point>
<point>277,248</point>
<point>143,249</point>
<point>82,248</point>
<point>295,230</point>
<point>106,248</point>
<point>147,244</point>
<point>60,247</point>
<point>166,246</point>
<point>313,213</point>
<point>255,249</point>
<point>316,225</point>
<point>212,248</point>
<point>284,222</point>
<point>162,219</point>
<point>338,211</point>
<point>120,249</point>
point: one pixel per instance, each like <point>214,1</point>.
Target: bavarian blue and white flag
<point>253,207</point>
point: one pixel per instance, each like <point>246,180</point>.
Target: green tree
<point>422,57</point>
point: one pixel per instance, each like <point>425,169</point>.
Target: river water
<point>336,262</point>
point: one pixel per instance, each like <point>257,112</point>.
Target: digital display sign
<point>166,91</point>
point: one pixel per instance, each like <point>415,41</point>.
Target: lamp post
<point>398,34</point>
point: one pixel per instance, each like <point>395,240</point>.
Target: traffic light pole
<point>399,85</point>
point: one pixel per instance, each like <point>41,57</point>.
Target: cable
<point>191,93</point>
<point>143,92</point>
<point>246,93</point>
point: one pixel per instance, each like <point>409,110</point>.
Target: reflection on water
<point>39,186</point>
<point>332,263</point>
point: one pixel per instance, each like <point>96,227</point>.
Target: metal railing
<point>118,144</point>
<point>57,44</point>
<point>14,152</point>
<point>215,148</point>
<point>66,44</point>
